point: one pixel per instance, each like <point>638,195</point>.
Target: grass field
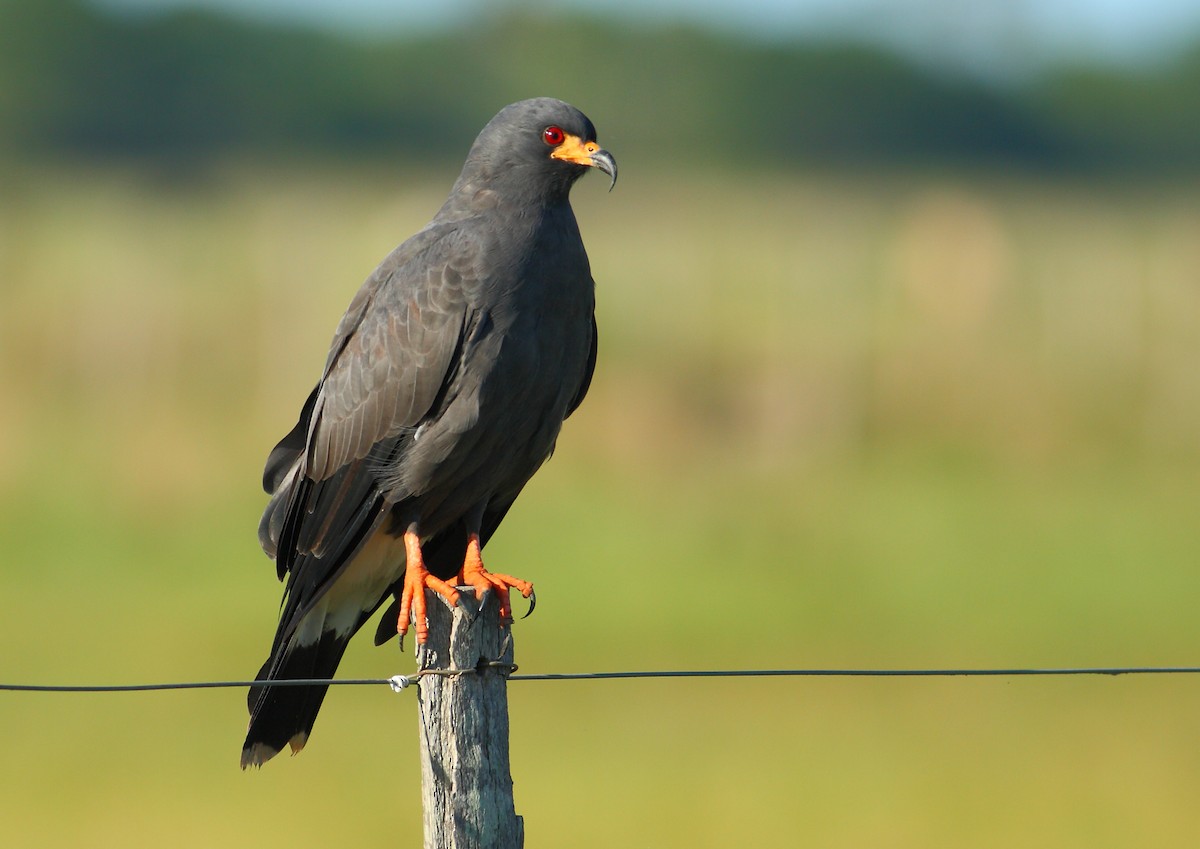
<point>839,421</point>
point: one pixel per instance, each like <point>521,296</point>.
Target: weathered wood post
<point>465,778</point>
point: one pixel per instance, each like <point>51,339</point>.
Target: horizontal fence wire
<point>399,682</point>
<point>187,685</point>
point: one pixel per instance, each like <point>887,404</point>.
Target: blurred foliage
<point>80,80</point>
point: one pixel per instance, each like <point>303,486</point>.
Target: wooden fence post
<point>465,780</point>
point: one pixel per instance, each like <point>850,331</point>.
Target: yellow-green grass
<point>839,421</point>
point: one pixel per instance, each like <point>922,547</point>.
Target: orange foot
<point>474,575</point>
<point>412,598</point>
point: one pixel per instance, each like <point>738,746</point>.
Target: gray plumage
<point>444,390</point>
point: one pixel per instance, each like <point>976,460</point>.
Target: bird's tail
<point>284,716</point>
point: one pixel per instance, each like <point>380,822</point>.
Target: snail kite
<point>446,385</point>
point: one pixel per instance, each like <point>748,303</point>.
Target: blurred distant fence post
<point>466,785</point>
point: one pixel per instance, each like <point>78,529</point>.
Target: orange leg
<point>473,574</point>
<point>416,579</point>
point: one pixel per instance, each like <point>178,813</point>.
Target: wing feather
<point>392,359</point>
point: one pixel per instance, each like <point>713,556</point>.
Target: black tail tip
<point>257,753</point>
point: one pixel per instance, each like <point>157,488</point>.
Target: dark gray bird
<point>446,385</point>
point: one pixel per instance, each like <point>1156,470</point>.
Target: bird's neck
<point>511,188</point>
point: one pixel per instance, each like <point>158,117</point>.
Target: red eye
<point>553,136</point>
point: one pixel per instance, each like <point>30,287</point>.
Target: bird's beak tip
<point>603,160</point>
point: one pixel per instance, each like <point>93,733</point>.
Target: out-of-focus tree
<point>78,80</point>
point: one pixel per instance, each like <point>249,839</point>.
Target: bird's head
<point>544,143</point>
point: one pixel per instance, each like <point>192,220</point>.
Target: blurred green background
<point>898,369</point>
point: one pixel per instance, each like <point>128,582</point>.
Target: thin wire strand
<point>186,685</point>
<point>399,682</point>
<point>863,673</point>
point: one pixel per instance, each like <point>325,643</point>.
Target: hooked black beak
<point>575,149</point>
<point>603,160</point>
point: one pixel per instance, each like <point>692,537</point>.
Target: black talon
<point>532,604</point>
<point>483,599</point>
